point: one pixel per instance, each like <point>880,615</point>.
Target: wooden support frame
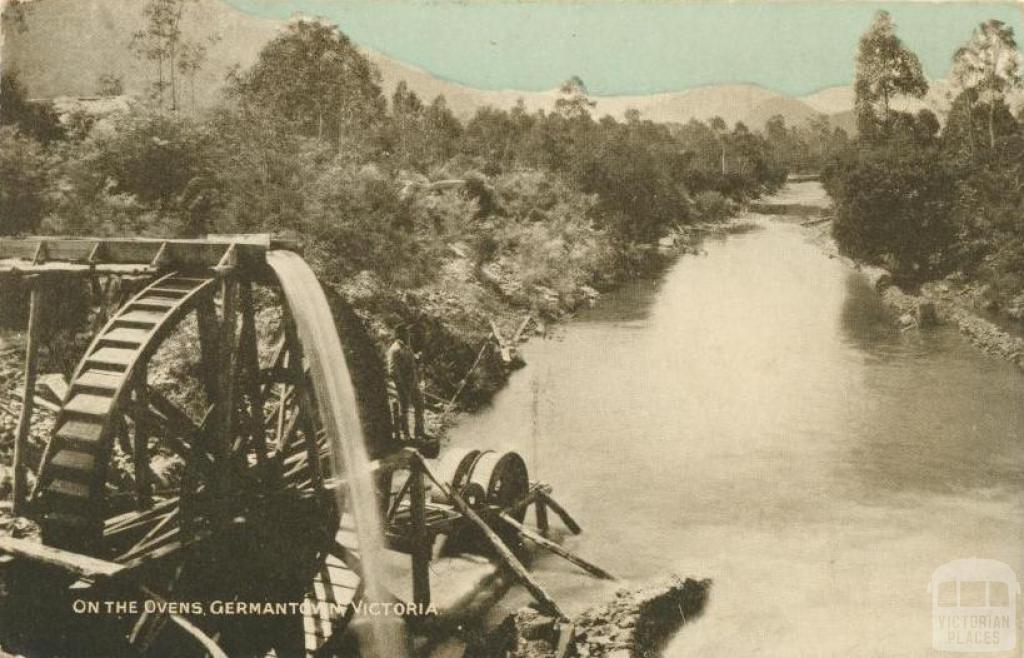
<point>249,363</point>
<point>544,600</point>
<point>28,396</point>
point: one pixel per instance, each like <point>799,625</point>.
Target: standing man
<point>404,372</point>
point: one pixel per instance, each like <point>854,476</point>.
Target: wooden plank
<point>88,404</point>
<point>101,379</point>
<point>81,430</point>
<point>82,566</point>
<point>112,355</point>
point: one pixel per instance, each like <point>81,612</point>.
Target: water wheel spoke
<point>174,420</point>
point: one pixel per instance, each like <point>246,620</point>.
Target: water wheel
<point>504,478</point>
<point>190,450</point>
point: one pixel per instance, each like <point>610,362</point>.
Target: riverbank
<point>953,300</point>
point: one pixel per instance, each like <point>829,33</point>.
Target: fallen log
<point>558,550</point>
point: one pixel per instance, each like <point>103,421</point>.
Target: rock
<point>635,622</point>
<point>878,277</point>
<point>907,321</point>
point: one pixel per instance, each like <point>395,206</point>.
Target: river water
<point>753,417</point>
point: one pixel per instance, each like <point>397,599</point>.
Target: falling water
<point>336,399</point>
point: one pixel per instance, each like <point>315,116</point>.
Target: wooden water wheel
<point>190,454</point>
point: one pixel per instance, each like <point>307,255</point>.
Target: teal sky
<point>642,47</point>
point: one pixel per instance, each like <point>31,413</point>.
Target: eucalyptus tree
<point>164,43</point>
<point>885,69</point>
<point>988,69</point>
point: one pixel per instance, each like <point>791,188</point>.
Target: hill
<point>95,37</point>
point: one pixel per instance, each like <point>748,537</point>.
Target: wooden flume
<point>248,513</point>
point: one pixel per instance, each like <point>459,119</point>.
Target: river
<point>752,416</point>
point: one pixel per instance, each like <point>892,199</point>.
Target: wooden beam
<point>223,433</point>
<point>249,360</point>
<point>541,511</point>
<point>140,441</point>
<point>209,352</point>
<point>28,398</point>
<point>82,566</point>
<point>569,522</point>
<point>558,550</point>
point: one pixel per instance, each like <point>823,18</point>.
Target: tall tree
<point>721,131</point>
<point>988,68</point>
<point>164,43</point>
<point>885,69</point>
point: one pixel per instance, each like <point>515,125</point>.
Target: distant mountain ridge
<point>95,35</point>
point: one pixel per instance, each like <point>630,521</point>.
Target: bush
<point>894,207</point>
<point>712,206</point>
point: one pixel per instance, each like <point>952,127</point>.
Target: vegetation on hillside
<point>405,209</point>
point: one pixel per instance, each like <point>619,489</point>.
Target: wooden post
<point>140,441</point>
<point>28,397</point>
<point>206,318</point>
<point>249,361</point>
<point>224,428</point>
<point>421,549</point>
<point>540,508</point>
<point>569,522</point>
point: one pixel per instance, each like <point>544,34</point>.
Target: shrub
<point>894,207</point>
<point>712,206</point>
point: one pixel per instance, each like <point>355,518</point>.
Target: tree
<point>163,42</point>
<point>894,206</point>
<point>38,120</point>
<point>313,78</point>
<point>885,69</point>
<point>23,176</point>
<point>721,130</point>
<point>573,103</point>
<point>989,67</point>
